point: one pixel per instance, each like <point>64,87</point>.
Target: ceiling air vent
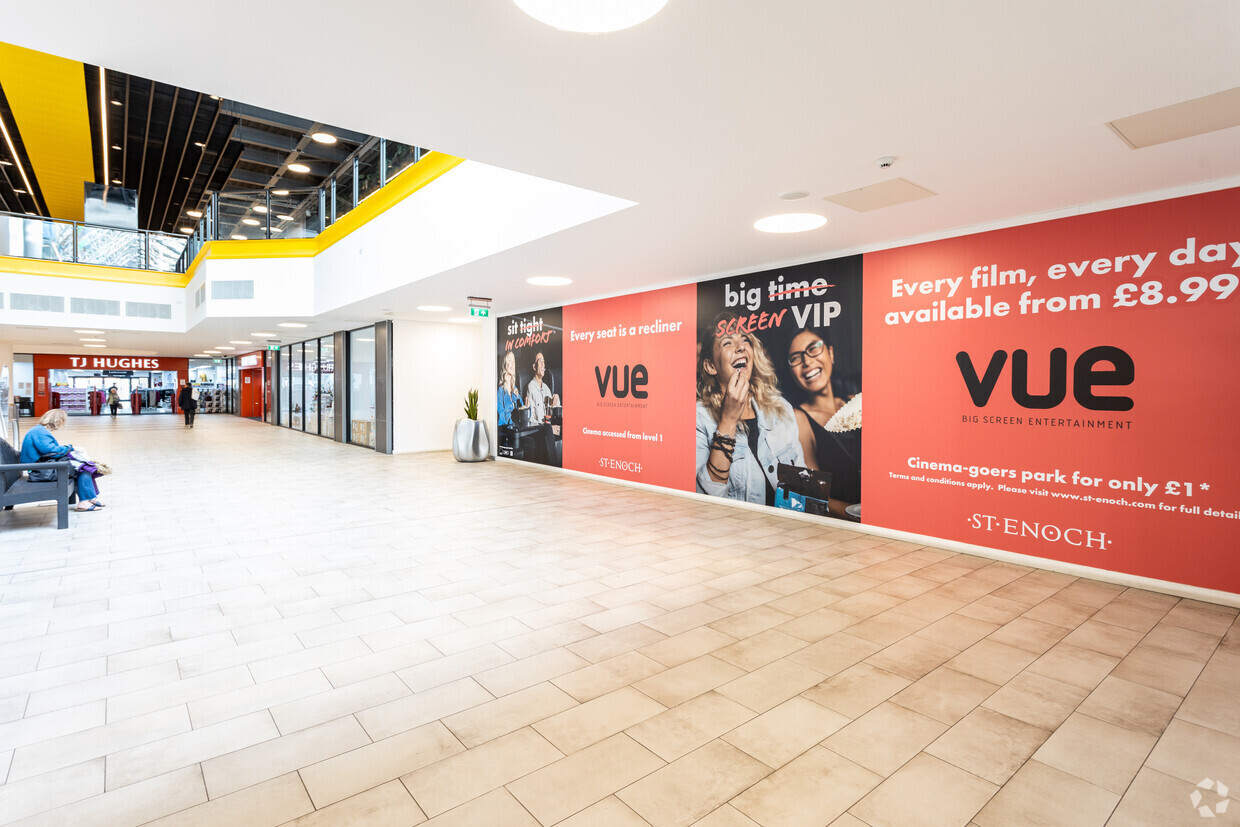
<point>877,196</point>
<point>1180,120</point>
<point>31,301</point>
<point>95,307</point>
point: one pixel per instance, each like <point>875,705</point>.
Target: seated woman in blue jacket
<point>39,444</point>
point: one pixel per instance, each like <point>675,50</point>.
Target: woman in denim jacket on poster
<point>744,427</point>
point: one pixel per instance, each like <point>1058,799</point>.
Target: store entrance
<point>155,388</point>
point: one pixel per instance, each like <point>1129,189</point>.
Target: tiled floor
<point>265,628</point>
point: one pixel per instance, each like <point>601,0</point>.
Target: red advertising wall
<point>1065,390</point>
<point>630,363</point>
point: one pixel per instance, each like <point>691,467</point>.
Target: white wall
<point>434,366</point>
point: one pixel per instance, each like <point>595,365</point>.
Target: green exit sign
<point>273,347</point>
<point>480,311</point>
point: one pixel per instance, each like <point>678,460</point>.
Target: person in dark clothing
<point>187,401</point>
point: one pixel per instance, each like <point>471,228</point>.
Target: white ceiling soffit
<point>877,196</point>
<point>1180,120</point>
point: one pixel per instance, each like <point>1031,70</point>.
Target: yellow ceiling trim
<point>47,95</point>
<point>90,272</point>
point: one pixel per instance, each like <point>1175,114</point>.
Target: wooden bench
<point>15,488</point>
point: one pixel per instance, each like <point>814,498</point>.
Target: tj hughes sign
<point>113,362</point>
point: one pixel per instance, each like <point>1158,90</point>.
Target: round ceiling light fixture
<point>298,168</point>
<point>324,137</point>
<point>795,195</point>
<point>240,237</point>
<point>548,281</point>
<point>194,213</point>
<point>284,217</point>
<point>259,208</point>
<point>792,222</point>
<point>279,192</point>
<point>251,222</point>
<point>591,16</point>
<point>187,229</point>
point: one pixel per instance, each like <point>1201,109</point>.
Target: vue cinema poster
<point>1063,389</point>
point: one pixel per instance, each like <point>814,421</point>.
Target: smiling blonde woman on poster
<point>745,428</point>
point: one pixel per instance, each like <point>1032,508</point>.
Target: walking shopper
<point>187,399</point>
<point>114,399</point>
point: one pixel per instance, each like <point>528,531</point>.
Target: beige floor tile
<point>607,676</point>
<point>584,778</point>
<point>686,646</point>
<point>263,805</point>
<point>856,690</point>
<point>595,720</point>
<point>1105,755</point>
<point>422,708</point>
<point>388,805</point>
<point>195,746</point>
<point>692,724</point>
<point>988,745</point>
<point>67,750</point>
<point>327,706</point>
<point>1155,799</point>
<point>349,773</point>
<point>1079,667</point>
<point>507,714</point>
<point>1131,705</point>
<point>751,622</point>
<point>459,778</point>
<point>136,804</point>
<point>610,812</point>
<point>605,646</point>
<point>104,686</point>
<point>1213,705</point>
<point>784,732</point>
<point>885,628</point>
<point>811,790</point>
<point>884,738</point>
<point>925,791</point>
<point>1223,668</point>
<point>690,787</point>
<point>818,624</point>
<point>1061,612</point>
<point>993,609</point>
<point>680,683</point>
<point>244,766</point>
<point>803,602</point>
<point>957,631</point>
<point>243,701</point>
<point>1159,669</point>
<point>1104,638</point>
<point>1034,699</point>
<point>1030,635</point>
<point>496,807</point>
<point>768,686</point>
<point>1039,794</point>
<point>51,790</point>
<point>451,668</point>
<point>1187,643</point>
<point>834,654</point>
<point>1191,752</point>
<point>686,618</point>
<point>913,657</point>
<point>1130,616</point>
<point>945,695</point>
<point>516,676</point>
<point>1201,617</point>
<point>34,728</point>
<point>759,650</point>
<point>209,685</point>
<point>991,661</point>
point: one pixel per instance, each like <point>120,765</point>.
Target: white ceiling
<point>706,113</point>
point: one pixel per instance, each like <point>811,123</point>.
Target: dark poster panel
<point>530,396</point>
<point>778,380</point>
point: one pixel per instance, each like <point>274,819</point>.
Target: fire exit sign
<point>484,312</point>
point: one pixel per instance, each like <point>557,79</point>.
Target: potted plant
<point>471,441</point>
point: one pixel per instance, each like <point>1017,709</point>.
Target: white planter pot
<point>471,440</point>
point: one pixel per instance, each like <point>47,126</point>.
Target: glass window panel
<point>327,387</point>
<point>166,252</point>
<point>298,385</point>
<point>362,387</point>
<point>399,157</point>
<point>268,385</point>
<point>368,172</point>
<point>312,386</point>
<point>111,247</point>
<point>344,192</point>
<point>286,365</point>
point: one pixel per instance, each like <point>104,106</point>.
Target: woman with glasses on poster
<point>745,429</point>
<point>811,359</point>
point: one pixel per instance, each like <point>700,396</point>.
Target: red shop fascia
<point>44,362</point>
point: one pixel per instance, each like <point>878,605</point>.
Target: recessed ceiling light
<point>239,237</point>
<point>594,17</point>
<point>434,308</point>
<point>20,192</point>
<point>298,168</point>
<point>262,335</point>
<point>240,342</point>
<point>186,229</point>
<point>199,144</point>
<point>279,192</point>
<point>290,324</point>
<point>259,208</point>
<point>92,340</point>
<point>115,146</point>
<point>203,355</point>
<point>324,137</point>
<point>88,331</point>
<point>6,163</point>
<point>215,97</point>
<point>194,213</point>
<point>795,195</point>
<point>224,347</point>
<point>116,102</point>
<point>252,222</point>
<point>212,352</point>
<point>283,217</point>
<point>116,180</point>
<point>548,281</point>
<point>792,222</point>
<point>94,345</point>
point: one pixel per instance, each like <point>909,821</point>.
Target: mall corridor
<point>264,627</point>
